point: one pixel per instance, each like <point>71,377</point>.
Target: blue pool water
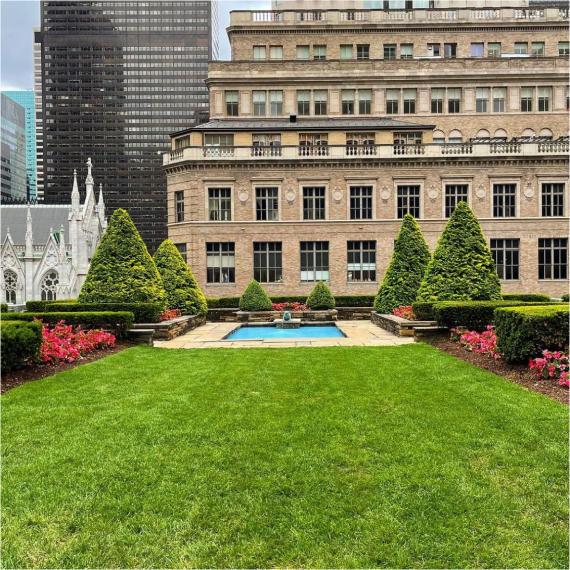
<point>271,331</point>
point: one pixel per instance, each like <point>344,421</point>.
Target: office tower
<point>13,179</point>
<point>328,126</point>
<point>37,54</point>
<point>26,100</point>
<point>117,78</point>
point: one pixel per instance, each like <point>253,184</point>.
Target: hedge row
<point>524,332</point>
<point>538,297</point>
<point>340,300</point>
<point>119,321</point>
<point>21,342</point>
<point>473,315</point>
<point>3,307</point>
<point>143,312</point>
<point>566,297</point>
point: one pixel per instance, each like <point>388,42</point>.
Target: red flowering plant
<point>62,342</point>
<point>170,314</point>
<point>294,307</point>
<point>551,366</point>
<point>479,342</point>
<point>404,312</point>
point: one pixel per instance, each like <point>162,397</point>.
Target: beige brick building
<point>329,125</point>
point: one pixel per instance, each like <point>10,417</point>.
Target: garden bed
<point>398,325</point>
<point>517,373</point>
<point>228,315</point>
<point>270,316</point>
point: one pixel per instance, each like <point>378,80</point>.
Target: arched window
<point>528,133</point>
<point>483,134</point>
<point>546,133</point>
<point>438,137</point>
<point>501,134</point>
<point>10,286</point>
<point>455,136</point>
<point>49,286</point>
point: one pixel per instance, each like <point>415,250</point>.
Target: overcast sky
<point>19,17</point>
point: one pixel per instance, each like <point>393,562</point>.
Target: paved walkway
<point>358,333</point>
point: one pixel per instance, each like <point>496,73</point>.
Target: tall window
<point>450,50</point>
<point>437,98</point>
<point>347,96</point>
<point>320,52</point>
<point>361,266</point>
<point>219,145</point>
<point>346,51</point>
<point>49,285</point>
<point>499,96</point>
<point>304,102</point>
<point>364,101</point>
<point>266,144</point>
<point>544,96</point>
<point>363,51</point>
<point>521,48</point>
<point>506,256</point>
<point>10,286</point>
<point>179,205</point>
<point>454,100</point>
<point>259,99</point>
<point>553,258</point>
<point>267,262</point>
<point>504,200</point>
<point>406,51</point>
<point>220,262</point>
<point>361,202</point>
<point>477,49</point>
<point>389,51</point>
<point>481,99</point>
<point>259,52</point>
<point>313,144</point>
<point>320,98</point>
<point>410,101</point>
<point>527,98</point>
<point>434,49</point>
<point>232,105</point>
<point>359,144</point>
<point>220,204</point>
<point>314,203</point>
<point>563,48</point>
<point>552,199</point>
<point>455,193</point>
<point>392,100</point>
<point>276,52</point>
<point>182,250</point>
<point>314,261</point>
<point>494,49</point>
<point>275,103</point>
<point>408,200</point>
<point>537,49</point>
<point>267,204</point>
<point>303,52</point>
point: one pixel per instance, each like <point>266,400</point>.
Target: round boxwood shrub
<point>180,286</point>
<point>406,270</point>
<point>320,298</point>
<point>122,269</point>
<point>21,342</point>
<point>254,298</point>
<point>462,267</point>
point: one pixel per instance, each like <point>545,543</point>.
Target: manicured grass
<point>333,457</point>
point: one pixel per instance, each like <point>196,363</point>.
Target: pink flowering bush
<point>479,342</point>
<point>551,366</point>
<point>404,312</point>
<point>295,307</point>
<point>170,314</point>
<point>64,343</point>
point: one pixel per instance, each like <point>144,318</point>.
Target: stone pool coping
<point>358,333</point>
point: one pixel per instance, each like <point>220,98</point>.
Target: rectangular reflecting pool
<point>262,332</point>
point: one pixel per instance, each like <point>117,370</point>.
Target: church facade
<point>46,249</point>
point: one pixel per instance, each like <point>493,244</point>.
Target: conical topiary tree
<point>320,297</point>
<point>406,270</point>
<point>462,267</point>
<point>122,270</point>
<point>181,288</point>
<point>254,298</point>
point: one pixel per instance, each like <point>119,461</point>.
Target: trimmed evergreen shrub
<point>473,315</point>
<point>41,305</point>
<point>406,270</point>
<point>122,270</point>
<point>118,322</point>
<point>424,310</point>
<point>354,300</point>
<point>180,286</point>
<point>254,298</point>
<point>143,312</point>
<point>462,267</point>
<point>320,298</point>
<point>3,307</point>
<point>21,342</point>
<point>538,297</point>
<point>223,302</point>
<point>524,332</point>
<point>566,297</point>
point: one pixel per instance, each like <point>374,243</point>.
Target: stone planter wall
<point>399,326</point>
<point>172,328</point>
<point>343,313</point>
<point>354,313</point>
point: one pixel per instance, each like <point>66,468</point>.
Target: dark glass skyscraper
<point>117,78</point>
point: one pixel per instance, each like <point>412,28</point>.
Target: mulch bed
<point>518,373</point>
<point>13,378</point>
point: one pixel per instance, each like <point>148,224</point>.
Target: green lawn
<point>333,457</point>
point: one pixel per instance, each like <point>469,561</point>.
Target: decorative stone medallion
<point>337,195</point>
<point>385,193</point>
<point>290,196</point>
<point>9,259</point>
<point>433,193</point>
<point>243,196</point>
<point>480,192</point>
<point>528,191</point>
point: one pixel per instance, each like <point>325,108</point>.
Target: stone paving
<point>358,333</point>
